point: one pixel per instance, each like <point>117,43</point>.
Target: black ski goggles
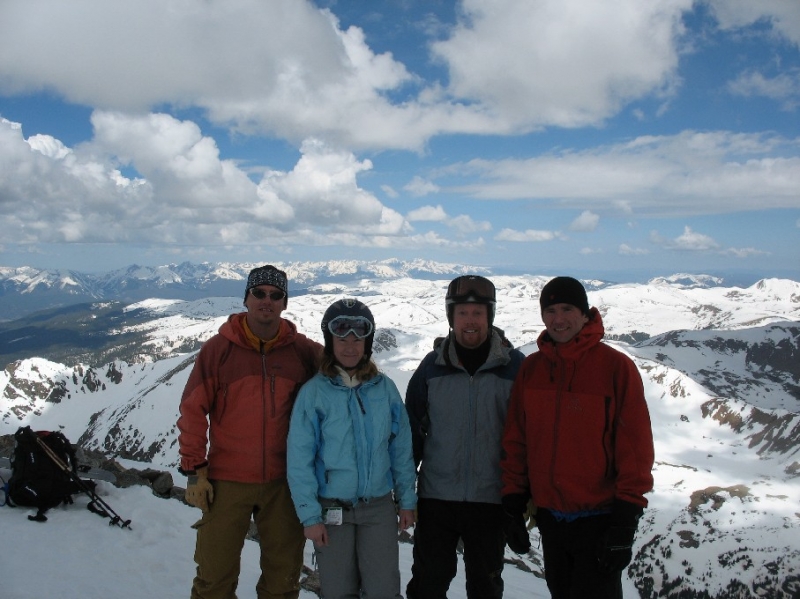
<point>342,326</point>
<point>469,286</point>
<point>273,295</point>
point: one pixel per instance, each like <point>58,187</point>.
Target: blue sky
<point>622,139</point>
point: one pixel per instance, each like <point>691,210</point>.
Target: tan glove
<point>199,491</point>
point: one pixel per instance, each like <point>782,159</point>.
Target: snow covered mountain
<point>25,289</point>
<point>721,372</point>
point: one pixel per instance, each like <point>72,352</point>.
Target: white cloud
<point>585,222</point>
<point>420,187</point>
<point>175,157</point>
<point>429,239</point>
<point>51,193</point>
<point>428,213</point>
<point>322,186</point>
<point>389,191</point>
<point>692,241</point>
<point>527,235</point>
<point>783,16</point>
<point>626,250</point>
<point>689,240</point>
<point>564,62</point>
<point>49,146</point>
<point>688,173</point>
<point>465,224</point>
<point>187,194</point>
<point>745,252</point>
<point>784,88</point>
<point>304,75</point>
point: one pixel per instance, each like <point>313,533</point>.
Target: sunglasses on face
<point>261,294</point>
<point>342,326</point>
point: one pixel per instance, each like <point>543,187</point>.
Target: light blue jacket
<point>348,444</point>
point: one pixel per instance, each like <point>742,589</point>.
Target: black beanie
<point>564,290</point>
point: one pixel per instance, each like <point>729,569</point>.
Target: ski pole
<point>105,510</point>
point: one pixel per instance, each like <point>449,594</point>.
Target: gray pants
<point>362,556</point>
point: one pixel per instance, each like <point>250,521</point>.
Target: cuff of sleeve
<point>193,471</point>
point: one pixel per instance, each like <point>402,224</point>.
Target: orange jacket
<point>578,431</point>
<point>235,409</point>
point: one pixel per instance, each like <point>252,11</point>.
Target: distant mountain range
<point>721,367</point>
<point>26,289</point>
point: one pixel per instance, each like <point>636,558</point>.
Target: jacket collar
<point>590,335</point>
<point>498,352</point>
<point>233,330</point>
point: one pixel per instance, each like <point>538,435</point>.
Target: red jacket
<point>578,432</point>
<point>237,403</point>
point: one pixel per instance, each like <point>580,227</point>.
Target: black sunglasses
<point>273,295</point>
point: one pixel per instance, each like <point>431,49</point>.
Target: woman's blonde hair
<point>366,370</point>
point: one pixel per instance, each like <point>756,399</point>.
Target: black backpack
<point>38,479</point>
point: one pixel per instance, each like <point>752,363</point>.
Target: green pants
<point>221,535</point>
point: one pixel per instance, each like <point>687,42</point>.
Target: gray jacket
<point>457,421</point>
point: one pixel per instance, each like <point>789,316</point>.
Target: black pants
<point>570,558</point>
<point>440,525</point>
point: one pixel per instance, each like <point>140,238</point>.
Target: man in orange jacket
<point>579,443</point>
<point>234,420</point>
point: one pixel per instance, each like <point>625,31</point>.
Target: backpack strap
<point>39,517</point>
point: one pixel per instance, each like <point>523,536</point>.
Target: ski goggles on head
<point>342,326</point>
<point>469,286</point>
<point>261,294</point>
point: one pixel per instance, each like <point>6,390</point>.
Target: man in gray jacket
<point>457,401</point>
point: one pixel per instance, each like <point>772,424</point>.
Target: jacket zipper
<point>267,405</point>
<point>607,430</point>
<point>364,457</point>
<point>471,439</point>
<point>561,365</point>
<point>360,403</point>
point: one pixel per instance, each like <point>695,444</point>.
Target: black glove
<point>516,532</point>
<point>615,546</point>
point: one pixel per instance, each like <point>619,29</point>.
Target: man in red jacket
<point>578,442</point>
<point>234,420</point>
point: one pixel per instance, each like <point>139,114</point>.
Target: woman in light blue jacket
<point>350,465</point>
